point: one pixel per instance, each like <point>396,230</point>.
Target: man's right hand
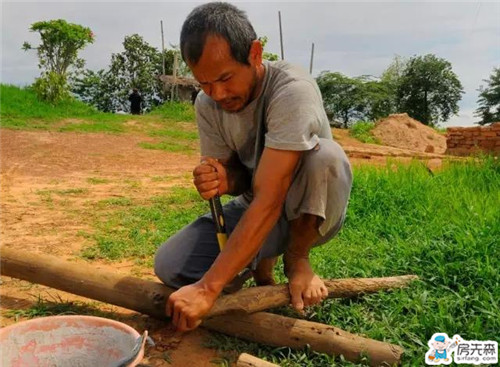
<point>210,178</point>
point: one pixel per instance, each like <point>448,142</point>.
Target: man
<point>264,138</point>
<point>135,102</point>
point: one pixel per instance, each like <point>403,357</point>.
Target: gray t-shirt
<point>294,118</point>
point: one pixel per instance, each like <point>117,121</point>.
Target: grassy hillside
<point>21,109</point>
<point>172,124</point>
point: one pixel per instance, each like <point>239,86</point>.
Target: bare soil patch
<point>402,131</point>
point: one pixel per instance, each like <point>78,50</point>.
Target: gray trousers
<point>321,186</point>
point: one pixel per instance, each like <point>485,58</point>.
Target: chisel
<point>220,223</point>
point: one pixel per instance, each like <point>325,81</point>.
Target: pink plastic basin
<point>67,341</point>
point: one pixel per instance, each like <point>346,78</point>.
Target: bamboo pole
<point>281,36</point>
<point>312,58</point>
<point>162,48</point>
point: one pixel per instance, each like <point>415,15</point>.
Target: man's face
<point>229,83</point>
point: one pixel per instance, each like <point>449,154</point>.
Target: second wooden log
<point>276,330</point>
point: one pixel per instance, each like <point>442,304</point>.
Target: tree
<point>379,99</point>
<point>489,99</point>
<point>351,99</point>
<point>429,90</point>
<point>99,89</point>
<point>138,66</point>
<point>267,55</point>
<point>57,53</point>
<point>343,97</point>
<point>391,79</point>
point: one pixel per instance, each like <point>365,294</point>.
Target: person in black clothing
<point>135,102</point>
<point>194,94</point>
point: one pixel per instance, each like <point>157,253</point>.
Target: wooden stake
<point>255,299</point>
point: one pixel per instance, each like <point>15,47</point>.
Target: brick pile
<point>471,140</point>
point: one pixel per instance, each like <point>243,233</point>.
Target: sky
<point>354,38</point>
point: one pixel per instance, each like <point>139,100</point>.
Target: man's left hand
<point>188,305</point>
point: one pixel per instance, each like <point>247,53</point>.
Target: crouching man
<point>265,139</point>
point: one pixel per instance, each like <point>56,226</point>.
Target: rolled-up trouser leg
<point>321,187</point>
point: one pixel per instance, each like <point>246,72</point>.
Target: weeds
<point>401,220</point>
<point>361,130</point>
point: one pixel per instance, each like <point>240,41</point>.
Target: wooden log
<point>149,297</point>
<point>255,299</point>
<point>86,280</point>
<point>279,330</point>
<point>248,360</point>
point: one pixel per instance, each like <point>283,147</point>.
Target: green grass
<point>97,181</point>
<point>114,202</point>
<point>57,306</point>
<point>361,130</point>
<point>137,231</point>
<point>177,112</point>
<point>22,110</point>
<point>176,134</point>
<point>173,123</point>
<point>169,146</point>
<point>75,191</point>
<point>443,227</point>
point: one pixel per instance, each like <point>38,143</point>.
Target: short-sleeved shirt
<point>291,106</point>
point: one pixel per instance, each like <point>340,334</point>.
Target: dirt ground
<point>49,182</point>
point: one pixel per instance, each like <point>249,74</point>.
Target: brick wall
<point>470,140</point>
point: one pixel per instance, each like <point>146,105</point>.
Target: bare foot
<point>306,288</point>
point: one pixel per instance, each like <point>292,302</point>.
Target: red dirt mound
<point>401,131</point>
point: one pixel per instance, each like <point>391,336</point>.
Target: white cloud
<point>464,118</point>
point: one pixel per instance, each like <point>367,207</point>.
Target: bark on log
<point>278,330</point>
<point>86,280</point>
<point>149,297</point>
<point>256,299</point>
<point>248,360</point>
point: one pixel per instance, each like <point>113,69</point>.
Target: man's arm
<point>273,178</point>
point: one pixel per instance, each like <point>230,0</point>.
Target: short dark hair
<point>218,19</point>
